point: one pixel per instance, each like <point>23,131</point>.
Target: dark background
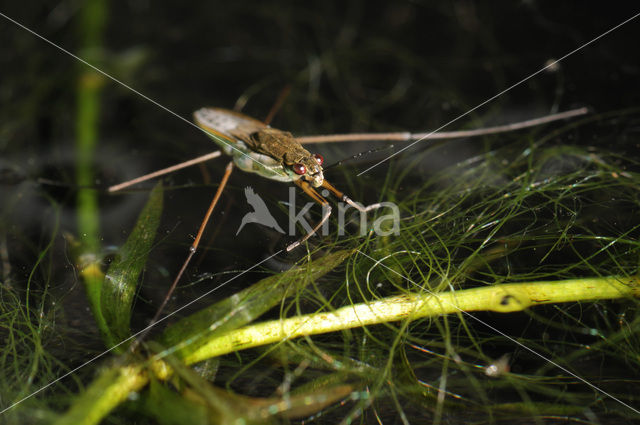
<point>352,66</point>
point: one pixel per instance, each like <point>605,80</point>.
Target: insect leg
<point>193,247</point>
<point>313,194</point>
<point>284,93</point>
<point>164,171</point>
<point>345,198</point>
<point>439,135</point>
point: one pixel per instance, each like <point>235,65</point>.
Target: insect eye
<point>299,169</point>
<point>318,158</point>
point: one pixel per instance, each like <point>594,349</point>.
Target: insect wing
<point>229,126</point>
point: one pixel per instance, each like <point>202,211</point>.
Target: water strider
<point>277,155</point>
<point>274,154</point>
<point>271,153</point>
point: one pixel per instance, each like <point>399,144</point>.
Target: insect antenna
<point>358,156</point>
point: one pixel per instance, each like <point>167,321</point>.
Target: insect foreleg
<point>313,194</point>
<point>345,198</point>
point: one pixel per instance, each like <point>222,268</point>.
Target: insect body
<point>275,154</point>
<point>258,148</point>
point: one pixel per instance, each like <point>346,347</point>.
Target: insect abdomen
<point>262,165</point>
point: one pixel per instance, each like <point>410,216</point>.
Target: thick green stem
<point>89,85</point>
<point>110,389</point>
<point>114,385</point>
<point>504,298</point>
<point>93,18</point>
<point>88,110</point>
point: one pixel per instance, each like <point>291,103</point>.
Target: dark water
<point>351,66</point>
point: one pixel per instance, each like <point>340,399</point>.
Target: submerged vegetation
<point>519,230</point>
<point>509,294</point>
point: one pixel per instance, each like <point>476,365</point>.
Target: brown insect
<point>256,147</point>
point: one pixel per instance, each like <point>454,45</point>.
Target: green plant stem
<point>503,298</point>
<point>89,87</point>
<point>112,387</point>
<point>86,138</point>
<point>93,279</point>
